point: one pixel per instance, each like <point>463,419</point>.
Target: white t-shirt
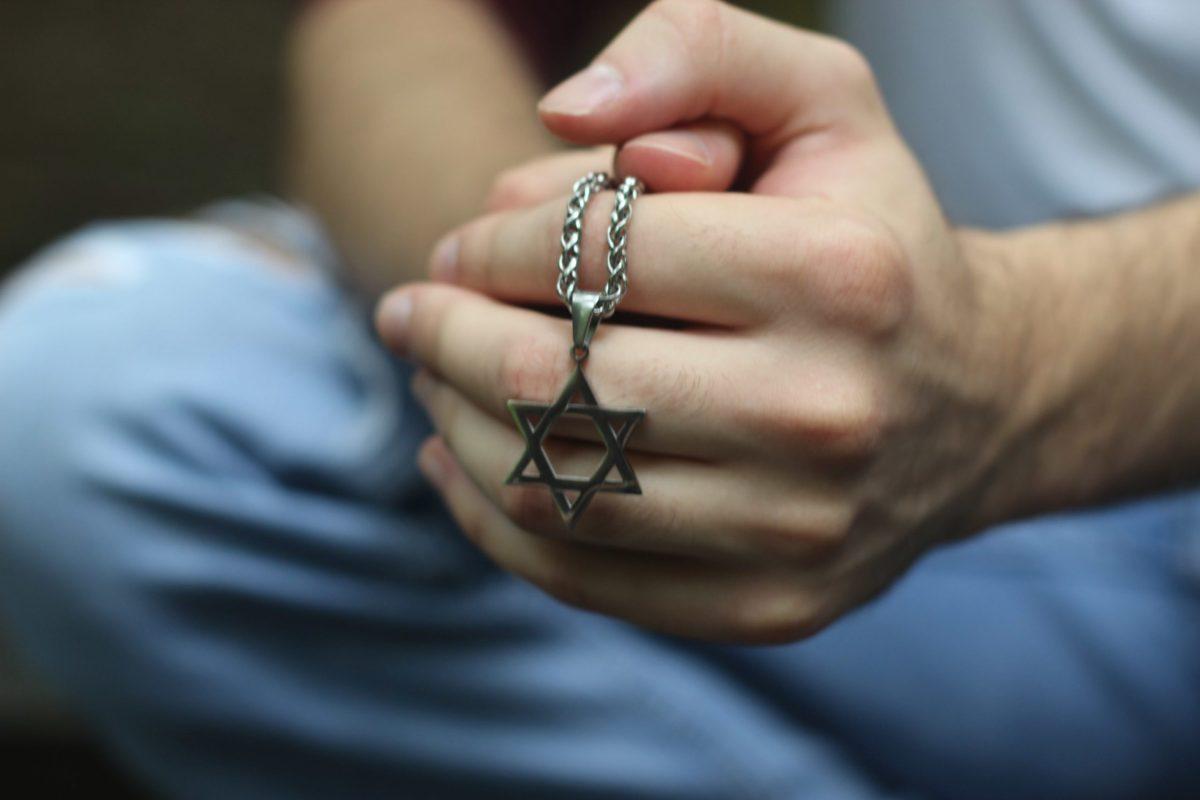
<point>1026,110</point>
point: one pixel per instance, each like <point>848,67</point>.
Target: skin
<point>837,381</point>
<point>383,90</point>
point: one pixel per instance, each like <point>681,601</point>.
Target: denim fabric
<point>214,542</point>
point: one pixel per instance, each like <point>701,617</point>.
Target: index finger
<point>691,256</point>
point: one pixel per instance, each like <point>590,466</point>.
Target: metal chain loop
<point>572,234</point>
<point>618,246</point>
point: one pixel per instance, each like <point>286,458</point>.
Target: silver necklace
<point>573,493</point>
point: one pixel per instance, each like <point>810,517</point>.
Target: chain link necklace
<point>573,493</point>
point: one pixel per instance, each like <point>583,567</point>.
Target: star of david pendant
<point>534,421</point>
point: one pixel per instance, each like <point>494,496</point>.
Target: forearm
<point>1110,357</point>
<point>403,112</point>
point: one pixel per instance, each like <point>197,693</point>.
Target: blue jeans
<point>214,543</point>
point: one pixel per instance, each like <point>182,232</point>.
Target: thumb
<point>683,60</point>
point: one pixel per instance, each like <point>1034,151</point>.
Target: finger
<point>681,248</point>
<point>686,507</point>
<point>699,157</point>
<point>546,178</point>
<point>703,392</point>
<point>493,352</point>
<point>696,157</point>
<point>683,60</point>
<point>673,595</point>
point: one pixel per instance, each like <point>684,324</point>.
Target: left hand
<point>838,389</point>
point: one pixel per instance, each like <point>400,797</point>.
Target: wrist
<point>1094,321</point>
<point>1055,333</point>
<point>1009,349</point>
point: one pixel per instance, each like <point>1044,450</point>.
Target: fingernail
<point>393,317</point>
<point>683,144</point>
<point>585,92</point>
<point>443,266</point>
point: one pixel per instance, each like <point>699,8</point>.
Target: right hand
<point>839,384</point>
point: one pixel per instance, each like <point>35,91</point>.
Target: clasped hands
<point>825,362</point>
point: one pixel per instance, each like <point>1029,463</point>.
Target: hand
<point>836,390</point>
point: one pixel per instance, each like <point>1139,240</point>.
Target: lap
<point>215,543</point>
<point>214,540</point>
<point>1054,657</point>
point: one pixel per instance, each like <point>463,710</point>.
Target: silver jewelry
<point>534,420</point>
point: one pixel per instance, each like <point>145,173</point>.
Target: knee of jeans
<point>82,392</point>
<point>147,390</point>
<point>188,336</point>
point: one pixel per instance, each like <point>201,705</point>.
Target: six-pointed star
<point>534,421</point>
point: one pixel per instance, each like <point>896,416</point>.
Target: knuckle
<point>862,276</point>
<point>775,535</point>
<point>851,422</point>
<point>844,419</point>
<point>698,24</point>
<point>772,419</point>
<point>771,614</point>
<point>829,529</point>
<point>529,368</point>
<point>849,66</point>
<point>777,271</point>
<point>800,534</point>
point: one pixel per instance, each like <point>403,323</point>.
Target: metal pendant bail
<point>584,321</point>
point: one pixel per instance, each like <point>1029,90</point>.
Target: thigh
<point>213,541</point>
<point>1058,657</point>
